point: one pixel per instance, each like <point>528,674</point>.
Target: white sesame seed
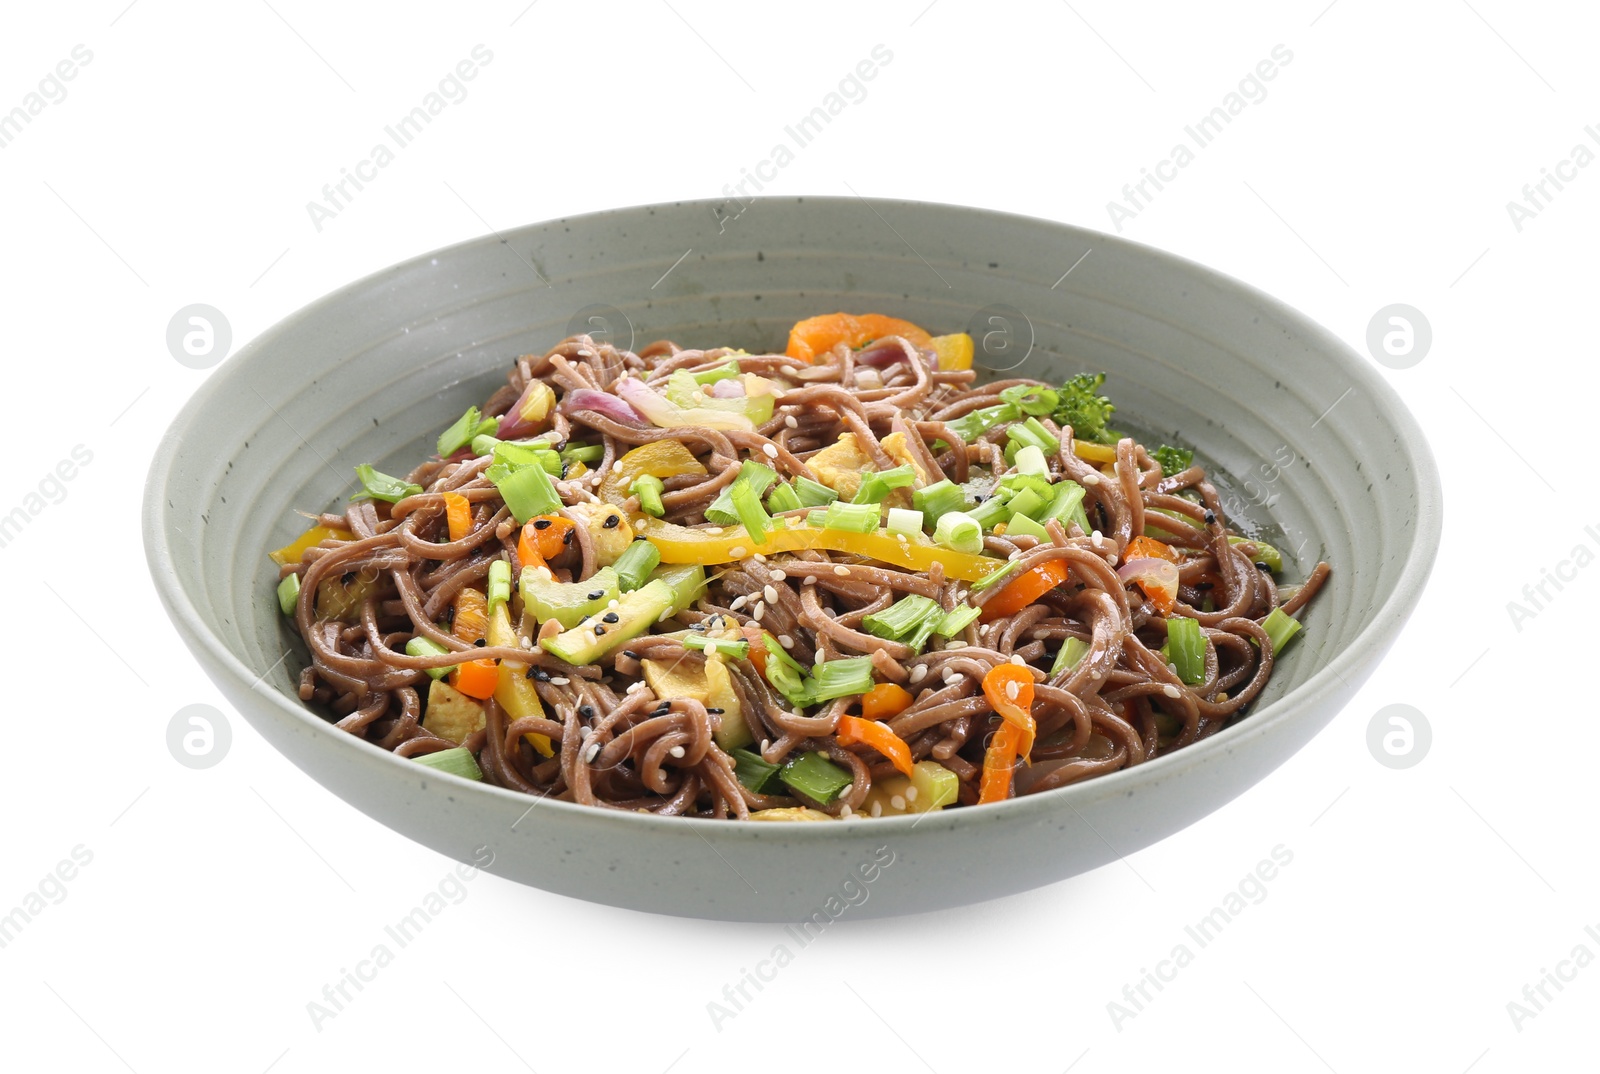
<point>820,657</point>
<point>759,558</point>
<point>560,680</point>
<point>614,603</point>
<point>791,422</point>
<point>955,644</point>
<point>786,641</point>
<point>738,602</point>
<point>1172,668</point>
<point>952,677</point>
<point>919,673</point>
<point>590,752</point>
<point>810,579</point>
<point>1170,690</point>
<point>877,809</point>
<point>635,687</point>
<point>759,610</point>
<point>1013,690</point>
<point>842,571</point>
<point>1016,658</point>
<point>585,731</point>
<point>1096,537</point>
<point>676,751</point>
<point>737,551</point>
<point>911,794</point>
<point>845,812</point>
<point>779,575</point>
<point>766,744</point>
<point>715,531</point>
<point>898,802</point>
<point>1091,479</point>
<point>769,451</point>
<point>770,593</point>
<point>1111,559</point>
<point>902,538</point>
<point>666,613</point>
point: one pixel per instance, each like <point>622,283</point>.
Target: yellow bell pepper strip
<point>660,458</point>
<point>955,351</point>
<point>1009,688</point>
<point>514,691</point>
<point>458,515</point>
<point>292,552</point>
<point>683,544</point>
<point>854,729</point>
<point>1088,452</point>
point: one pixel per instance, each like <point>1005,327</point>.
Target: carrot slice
<point>998,762</point>
<point>853,730</point>
<point>884,700</point>
<point>552,539</point>
<point>1026,588</point>
<point>818,335</point>
<point>458,513</point>
<point>476,678</point>
<point>1009,688</point>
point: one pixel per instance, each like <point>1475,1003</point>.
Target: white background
<point>219,903</point>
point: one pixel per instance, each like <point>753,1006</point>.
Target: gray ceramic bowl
<point>374,371</point>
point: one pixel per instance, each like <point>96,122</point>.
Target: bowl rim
<point>1383,625</point>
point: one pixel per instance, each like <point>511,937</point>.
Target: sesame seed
<point>769,451</point>
<point>902,538</point>
<point>676,751</point>
<point>791,422</point>
<point>786,641</point>
<point>759,610</point>
<point>737,551</point>
<point>1091,479</point>
<point>584,732</point>
<point>845,812</point>
<point>877,809</point>
<point>955,644</point>
<point>911,794</point>
<point>1016,658</point>
<point>919,673</point>
<point>1096,537</point>
<point>842,571</point>
<point>820,657</point>
<point>1170,690</point>
<point>952,677</point>
<point>613,603</point>
<point>898,802</point>
<point>766,744</point>
<point>779,575</point>
<point>666,613</point>
<point>1013,690</point>
<point>738,603</point>
<point>590,752</point>
<point>1172,668</point>
<point>611,617</point>
<point>810,579</point>
<point>770,593</point>
<point>715,531</point>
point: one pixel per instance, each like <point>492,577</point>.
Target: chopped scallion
<point>588,454</point>
<point>499,587</point>
<point>902,617</point>
<point>747,505</point>
<point>875,487</point>
<point>755,773</point>
<point>783,498</point>
<point>289,593</point>
<point>421,646</point>
<point>1023,526</point>
<point>1031,460</point>
<point>816,777</point>
<point>380,486</point>
<point>458,762</point>
<point>716,373</point>
<point>973,425</point>
<point>956,620</point>
<point>725,646</point>
<point>1072,651</point>
<point>1280,628</point>
<point>721,511</point>
<point>527,490</point>
<point>845,677</point>
<point>813,493</point>
<point>648,488</point>
<point>959,532</point>
<point>465,428</point>
<point>938,499</point>
<point>990,579</point>
<point>905,522</point>
<point>1186,649</point>
<point>849,517</point>
<point>635,565</point>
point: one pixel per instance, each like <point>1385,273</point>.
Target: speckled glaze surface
<point>372,372</point>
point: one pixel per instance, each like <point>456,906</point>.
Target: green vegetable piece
<point>421,646</point>
<point>906,522</point>
<point>1027,502</point>
<point>1031,398</point>
<point>816,777</point>
<point>716,373</point>
<point>755,773</point>
<point>813,493</point>
<point>1031,460</point>
<point>956,620</point>
<point>686,580</point>
<point>568,603</point>
<point>959,532</point>
<point>844,677</point>
<point>751,474</point>
<point>754,517</point>
<point>1280,628</point>
<point>849,517</point>
<point>457,762</point>
<point>1066,505</point>
<point>1072,650</point>
<point>1087,411</point>
<point>973,425</point>
<point>937,499</point>
<point>725,646</point>
<point>288,593</point>
<point>498,589</point>
<point>379,486</point>
<point>990,513</point>
<point>785,674</point>
<point>594,638</point>
<point>1186,649</point>
<point>588,454</point>
<point>995,576</point>
<point>1259,552</point>
<point>902,617</point>
<point>1023,526</point>
<point>783,498</point>
<point>466,428</point>
<point>485,444</point>
<point>633,567</point>
<point>1173,460</point>
<point>876,486</point>
<point>649,488</point>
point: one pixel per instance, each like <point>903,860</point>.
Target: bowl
<point>1304,438</point>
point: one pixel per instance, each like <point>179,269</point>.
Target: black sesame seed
<point>481,642</point>
<point>597,594</point>
<point>561,445</point>
<point>612,617</point>
<point>611,521</point>
<point>1262,567</point>
<point>598,629</point>
<point>586,711</point>
<point>450,615</point>
<point>541,523</point>
<point>1211,518</point>
<point>630,654</point>
<point>541,675</point>
<point>533,673</point>
<point>567,537</point>
<point>714,712</point>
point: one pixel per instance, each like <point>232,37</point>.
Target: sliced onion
<point>658,410</point>
<point>513,426</point>
<point>884,352</point>
<point>1152,575</point>
<point>607,404</point>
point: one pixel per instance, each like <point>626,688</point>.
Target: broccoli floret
<point>1173,459</point>
<point>1086,411</point>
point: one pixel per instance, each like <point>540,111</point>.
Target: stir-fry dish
<point>844,581</point>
